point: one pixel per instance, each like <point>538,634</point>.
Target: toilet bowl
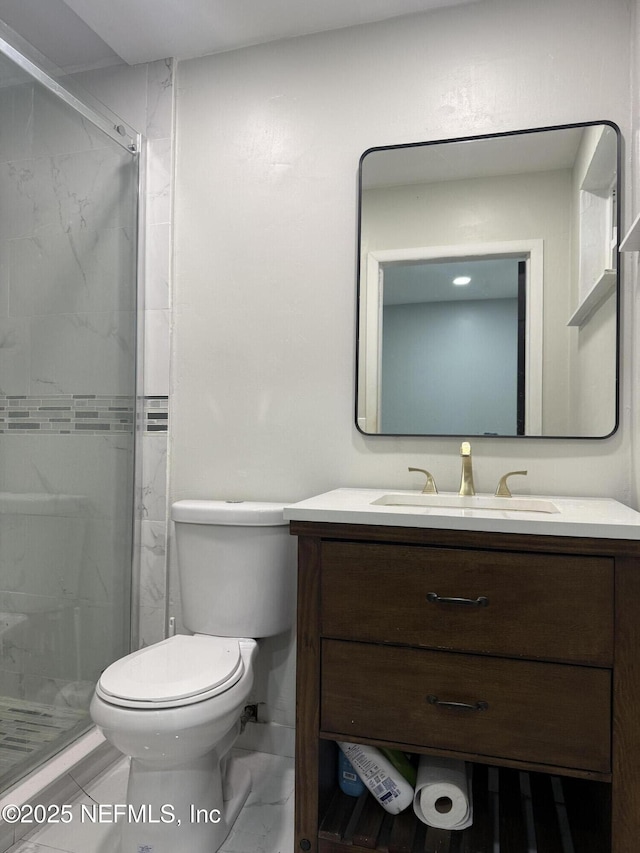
<point>175,707</point>
<point>178,737</point>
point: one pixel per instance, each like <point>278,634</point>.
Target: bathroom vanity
<point>507,638</point>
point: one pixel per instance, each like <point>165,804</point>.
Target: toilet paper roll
<point>443,793</point>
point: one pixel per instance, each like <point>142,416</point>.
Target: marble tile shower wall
<point>66,394</point>
<point>153,588</point>
<point>143,96</point>
<point>54,430</point>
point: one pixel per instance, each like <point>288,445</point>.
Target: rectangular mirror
<point>488,292</point>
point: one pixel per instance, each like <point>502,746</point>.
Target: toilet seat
<point>179,671</point>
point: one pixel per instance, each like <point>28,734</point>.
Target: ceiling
<point>82,34</point>
<point>432,281</point>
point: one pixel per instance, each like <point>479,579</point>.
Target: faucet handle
<point>430,487</point>
<point>503,490</point>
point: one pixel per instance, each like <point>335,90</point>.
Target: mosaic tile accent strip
<point>156,414</point>
<point>27,727</point>
<point>65,414</point>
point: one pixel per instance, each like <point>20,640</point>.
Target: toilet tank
<point>235,566</point>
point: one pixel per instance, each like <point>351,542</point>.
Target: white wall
<point>268,142</point>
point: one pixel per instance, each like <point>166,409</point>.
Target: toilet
<point>175,707</point>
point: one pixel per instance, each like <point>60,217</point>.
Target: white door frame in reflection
<point>371,308</point>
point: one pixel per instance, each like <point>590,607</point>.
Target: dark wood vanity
<point>518,653</point>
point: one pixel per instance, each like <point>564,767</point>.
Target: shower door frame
<point>40,781</point>
<point>114,127</point>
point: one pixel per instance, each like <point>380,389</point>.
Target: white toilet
<point>175,707</point>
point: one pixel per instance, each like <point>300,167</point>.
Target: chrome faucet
<point>466,481</point>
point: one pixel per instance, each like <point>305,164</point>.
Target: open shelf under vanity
<point>514,812</point>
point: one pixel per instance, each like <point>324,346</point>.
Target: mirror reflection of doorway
<point>454,346</point>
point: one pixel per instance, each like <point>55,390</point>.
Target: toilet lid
<point>180,670</point>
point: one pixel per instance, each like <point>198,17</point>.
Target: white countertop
<point>601,518</point>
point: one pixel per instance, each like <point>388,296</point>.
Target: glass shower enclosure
<point>68,235</point>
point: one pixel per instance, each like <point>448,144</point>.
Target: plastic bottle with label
<point>384,781</point>
<point>349,781</point>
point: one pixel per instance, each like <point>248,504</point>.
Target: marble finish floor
<point>265,824</point>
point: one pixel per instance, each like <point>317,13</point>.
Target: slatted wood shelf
<point>517,811</point>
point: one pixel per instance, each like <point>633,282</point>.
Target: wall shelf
<point>596,296</point>
<point>631,241</point>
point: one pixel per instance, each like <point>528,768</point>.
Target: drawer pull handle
<point>481,601</point>
<point>457,706</point>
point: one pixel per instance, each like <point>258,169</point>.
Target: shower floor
<point>30,729</point>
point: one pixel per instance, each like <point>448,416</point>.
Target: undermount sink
<point>538,514</point>
<point>545,515</point>
<point>474,502</point>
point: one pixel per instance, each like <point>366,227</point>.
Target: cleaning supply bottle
<point>349,781</point>
<point>383,780</point>
<point>401,762</point>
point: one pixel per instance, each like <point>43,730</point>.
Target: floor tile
<point>78,836</point>
<point>31,847</point>
<point>265,824</point>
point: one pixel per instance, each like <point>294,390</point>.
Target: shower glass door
<point>68,229</point>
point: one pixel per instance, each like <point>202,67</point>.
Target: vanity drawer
<point>528,605</point>
<point>546,713</point>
